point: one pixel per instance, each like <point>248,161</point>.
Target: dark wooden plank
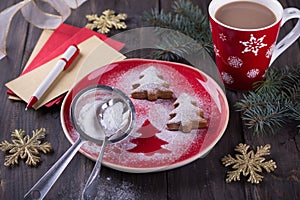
<point>10,119</point>
<point>202,179</point>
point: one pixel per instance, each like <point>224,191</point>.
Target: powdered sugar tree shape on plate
<point>151,86</point>
<point>148,143</point>
<point>186,115</point>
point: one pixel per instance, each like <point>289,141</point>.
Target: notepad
<point>92,50</point>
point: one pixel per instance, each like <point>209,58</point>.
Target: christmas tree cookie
<point>186,115</point>
<point>151,86</point>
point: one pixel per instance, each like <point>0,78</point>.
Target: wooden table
<point>201,179</point>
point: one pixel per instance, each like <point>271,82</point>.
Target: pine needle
<point>187,19</point>
<point>274,103</point>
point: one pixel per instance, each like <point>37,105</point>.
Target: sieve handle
<point>90,189</point>
<point>42,187</point>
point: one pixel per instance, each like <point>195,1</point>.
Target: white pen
<point>62,64</point>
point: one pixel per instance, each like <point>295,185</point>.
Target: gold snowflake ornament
<point>24,147</point>
<point>248,163</point>
<point>106,21</point>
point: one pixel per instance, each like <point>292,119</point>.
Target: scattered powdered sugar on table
<point>113,189</point>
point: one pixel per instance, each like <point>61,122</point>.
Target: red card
<point>62,37</point>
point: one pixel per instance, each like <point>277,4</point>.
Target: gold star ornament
<point>248,163</point>
<point>106,21</point>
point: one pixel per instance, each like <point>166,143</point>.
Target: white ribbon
<point>36,16</point>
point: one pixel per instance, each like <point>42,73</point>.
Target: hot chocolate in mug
<point>244,34</point>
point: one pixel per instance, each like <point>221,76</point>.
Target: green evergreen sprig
<point>274,103</point>
<point>187,19</point>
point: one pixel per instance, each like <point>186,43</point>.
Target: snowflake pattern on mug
<point>234,61</point>
<point>222,37</point>
<point>227,78</point>
<point>252,73</point>
<point>217,51</point>
<point>270,51</point>
<point>254,44</point>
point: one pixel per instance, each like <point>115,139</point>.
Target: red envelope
<point>62,37</point>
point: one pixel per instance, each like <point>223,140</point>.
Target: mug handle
<point>291,37</point>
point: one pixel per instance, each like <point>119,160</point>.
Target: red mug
<point>244,54</point>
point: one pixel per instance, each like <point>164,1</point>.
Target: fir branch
<point>176,45</point>
<point>187,19</point>
<point>285,82</point>
<point>193,14</point>
<point>274,103</point>
<point>266,118</point>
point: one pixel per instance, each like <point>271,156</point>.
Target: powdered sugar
<point>99,118</point>
<point>172,146</point>
<point>113,117</point>
<point>186,113</point>
<point>157,112</point>
<point>178,83</point>
<point>150,75</point>
<point>114,189</point>
<point>88,121</point>
<point>158,115</point>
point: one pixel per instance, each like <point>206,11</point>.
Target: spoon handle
<point>42,187</point>
<point>90,188</point>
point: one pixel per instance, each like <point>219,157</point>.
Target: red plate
<point>151,147</point>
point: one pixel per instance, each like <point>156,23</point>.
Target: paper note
<point>42,40</point>
<point>94,53</point>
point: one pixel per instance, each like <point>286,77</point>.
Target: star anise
<point>106,21</point>
<point>249,163</point>
<point>24,147</point>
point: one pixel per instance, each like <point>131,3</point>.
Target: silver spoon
<point>42,187</point>
<point>114,133</point>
